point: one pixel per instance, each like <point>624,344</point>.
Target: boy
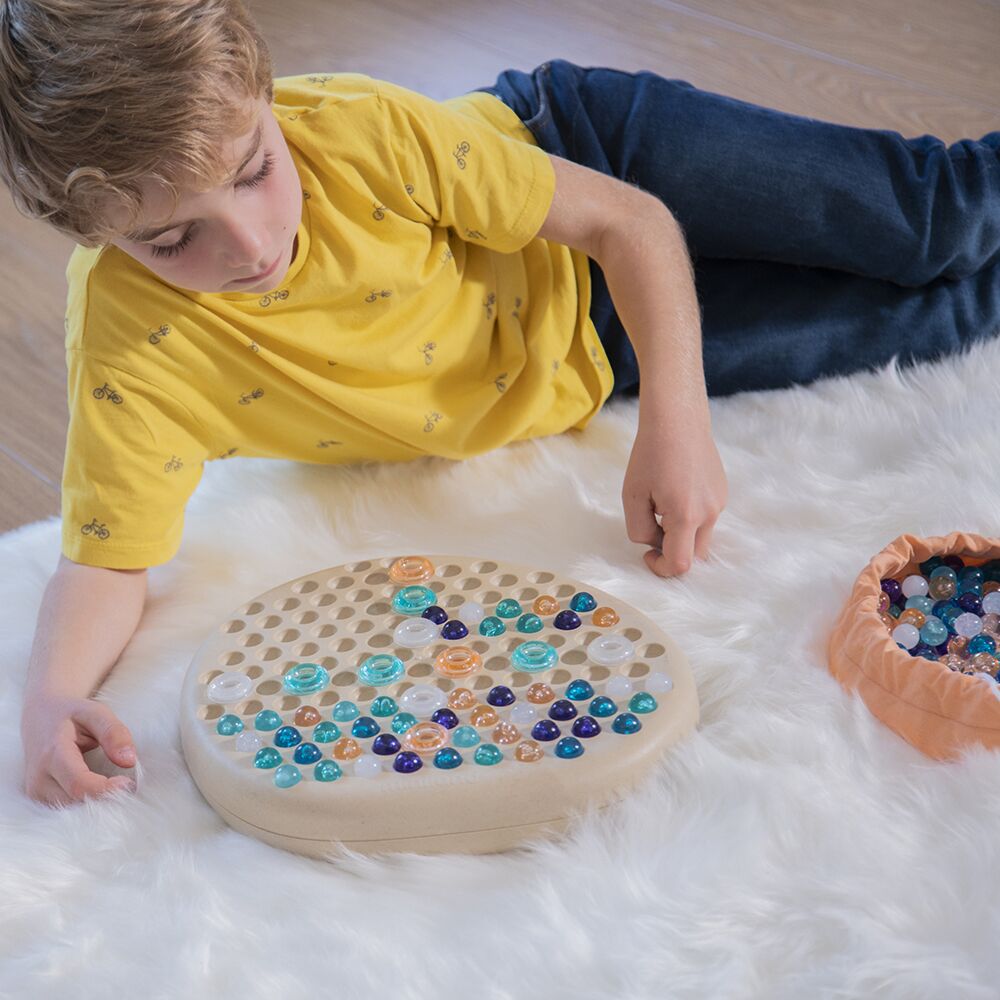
<point>333,268</point>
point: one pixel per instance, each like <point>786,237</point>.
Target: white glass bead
<point>415,632</point>
<point>524,713</point>
<point>423,699</point>
<point>915,586</point>
<point>367,766</point>
<point>611,650</point>
<point>618,687</point>
<point>471,613</point>
<point>230,687</point>
<point>659,683</point>
<point>906,635</point>
<point>991,603</point>
<point>248,741</point>
<point>968,624</point>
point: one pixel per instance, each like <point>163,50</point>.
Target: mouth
<point>262,275</point>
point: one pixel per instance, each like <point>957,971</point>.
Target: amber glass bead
<point>605,617</point>
<point>505,733</point>
<point>958,645</point>
<point>887,620</point>
<point>540,694</point>
<point>411,569</point>
<point>545,604</point>
<point>484,715</point>
<point>346,748</point>
<point>989,586</point>
<point>941,588</point>
<point>461,699</point>
<point>425,737</point>
<point>457,661</point>
<point>528,751</point>
<point>912,616</point>
<point>307,716</point>
<point>985,663</point>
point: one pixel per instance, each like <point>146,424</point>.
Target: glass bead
<point>618,687</point>
<point>948,616</point>
<point>326,732</point>
<point>461,699</point>
<point>906,635</point>
<point>407,762</point>
<point>307,716</point>
<point>425,737</point>
<point>327,770</point>
<point>465,736</point>
<point>943,571</point>
<point>346,749</point>
<point>435,613</point>
<point>345,711</point>
<point>447,758</point>
<point>367,766</point>
<point>914,586</point>
<point>985,663</point>
<point>483,715</point>
<point>970,602</point>
<point>545,604</point>
<point>929,565</point>
<point>585,727</point>
<point>504,733</point>
<point>457,662</point>
<point>523,714</point>
<point>562,710</point>
<point>888,621</point>
<point>454,629</point>
<point>953,662</point>
<point>968,625</point>
<point>990,587</point>
<point>266,720</point>
<point>602,707</point>
<point>529,623</point>
<point>912,617</point>
<point>892,588</point>
<point>287,775</point>
<point>383,706</point>
<point>942,587</point>
<point>929,654</point>
<point>229,687</point>
<point>642,702</point>
<point>540,694</point>
<point>610,650</point>
<point>385,744</point>
<point>509,608</point>
<point>545,729</point>
<point>415,633</point>
<point>959,646</point>
<point>569,747</point>
<point>423,699</point>
<point>991,621</point>
<point>923,604</point>
<point>402,722</point>
<point>605,617</point>
<point>534,655</point>
<point>445,717</point>
<point>380,669</point>
<point>921,649</point>
<point>973,573</point>
<point>411,569</point>
<point>955,562</point>
<point>582,602</point>
<point>471,612</point>
<point>895,610</point>
<point>500,696</point>
<point>982,644</point>
<point>413,600</point>
<point>567,620</point>
<point>933,631</point>
<point>991,602</point>
<point>488,754</point>
<point>364,727</point>
<point>883,601</point>
<point>659,683</point>
<point>287,736</point>
<point>626,724</point>
<point>267,757</point>
<point>305,678</point>
<point>247,741</point>
<point>229,725</point>
<point>970,587</point>
<point>491,626</point>
<point>307,753</point>
<point>528,751</point>
<point>579,690</point>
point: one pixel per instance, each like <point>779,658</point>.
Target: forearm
<point>87,617</point>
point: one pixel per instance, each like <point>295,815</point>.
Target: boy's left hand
<point>674,471</point>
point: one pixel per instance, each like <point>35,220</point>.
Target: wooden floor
<point>918,66</point>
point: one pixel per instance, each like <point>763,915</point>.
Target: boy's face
<point>222,240</point>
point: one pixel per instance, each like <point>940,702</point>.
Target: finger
<point>68,768</point>
<point>675,556</point>
<point>704,537</point>
<point>641,525</point>
<point>112,734</point>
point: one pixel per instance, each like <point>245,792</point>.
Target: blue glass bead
<point>327,770</point>
<point>307,753</point>
<point>491,625</point>
<point>939,606</point>
<point>991,570</point>
<point>933,631</point>
<point>305,678</point>
<point>929,565</point>
<point>583,602</point>
<point>970,601</point>
<point>941,650</point>
<point>534,655</point>
<point>287,775</point>
<point>326,732</point>
<point>465,736</point>
<point>488,754</point>
<point>626,723</point>
<point>981,644</point>
<point>383,706</point>
<point>229,725</point>
<point>413,600</point>
<point>380,669</point>
<point>266,757</point>
<point>562,710</point>
<point>970,587</point>
<point>385,743</point>
<point>446,758</point>
<point>407,762</point>
<point>929,654</point>
<point>579,690</point>
<point>545,729</point>
<point>364,727</point>
<point>344,711</point>
<point>919,649</point>
<point>602,707</point>
<point>436,614</point>
<point>454,629</point>
<point>500,696</point>
<point>402,722</point>
<point>567,620</point>
<point>586,727</point>
<point>642,702</point>
<point>974,573</point>
<point>569,747</point>
<point>266,721</point>
<point>948,616</point>
<point>445,717</point>
<point>509,608</point>
<point>529,623</point>
<point>922,604</point>
<point>287,736</point>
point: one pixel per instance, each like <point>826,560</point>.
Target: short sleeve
<point>134,456</point>
<point>454,170</point>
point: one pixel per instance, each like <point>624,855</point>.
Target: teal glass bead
<point>266,757</point>
<point>380,669</point>
<point>287,775</point>
<point>327,770</point>
<point>626,724</point>
<point>413,600</point>
<point>491,625</point>
<point>509,608</point>
<point>287,736</point>
<point>266,721</point>
<point>488,754</point>
<point>534,655</point>
<point>934,632</point>
<point>929,565</point>
<point>465,736</point>
<point>569,747</point>
<point>582,602</point>
<point>895,610</point>
<point>446,758</point>
<point>579,690</point>
<point>643,701</point>
<point>981,643</point>
<point>306,678</point>
<point>326,732</point>
<point>364,727</point>
<point>229,725</point>
<point>601,707</point>
<point>383,706</point>
<point>402,722</point>
<point>923,604</point>
<point>344,711</point>
<point>307,753</point>
<point>529,623</point>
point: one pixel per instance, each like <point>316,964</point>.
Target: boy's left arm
<point>674,469</point>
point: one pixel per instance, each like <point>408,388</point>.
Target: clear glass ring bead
<point>611,650</point>
<point>415,632</point>
<point>229,687</point>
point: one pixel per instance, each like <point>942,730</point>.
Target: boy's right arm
<point>87,616</point>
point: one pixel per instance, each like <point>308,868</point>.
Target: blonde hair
<point>96,95</point>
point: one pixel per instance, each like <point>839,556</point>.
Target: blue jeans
<point>818,249</point>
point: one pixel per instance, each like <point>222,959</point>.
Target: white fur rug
<point>792,848</point>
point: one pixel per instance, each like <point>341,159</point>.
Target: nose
<point>249,247</point>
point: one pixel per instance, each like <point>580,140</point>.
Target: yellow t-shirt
<point>420,316</point>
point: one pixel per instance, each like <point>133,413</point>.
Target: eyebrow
<point>142,235</point>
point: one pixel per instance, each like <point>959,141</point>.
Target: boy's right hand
<point>56,733</point>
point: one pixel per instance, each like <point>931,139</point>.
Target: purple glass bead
<point>437,615</point>
<point>454,629</point>
<point>941,650</point>
<point>407,762</point>
<point>920,648</point>
<point>955,562</point>
<point>385,743</point>
<point>586,726</point>
<point>500,696</point>
<point>567,620</point>
<point>562,710</point>
<point>544,729</point>
<point>970,602</point>
<point>445,717</point>
<point>892,587</point>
